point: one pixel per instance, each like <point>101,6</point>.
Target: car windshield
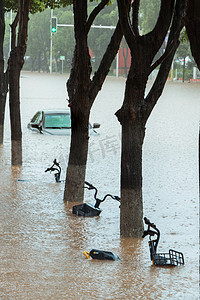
<point>57,121</point>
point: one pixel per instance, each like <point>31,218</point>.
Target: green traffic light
<point>53,24</point>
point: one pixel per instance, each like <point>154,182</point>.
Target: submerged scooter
<point>55,167</point>
<point>89,210</point>
<point>173,258</point>
<point>84,209</point>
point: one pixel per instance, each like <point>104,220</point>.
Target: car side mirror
<point>96,125</point>
<point>35,126</point>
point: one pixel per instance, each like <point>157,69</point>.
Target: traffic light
<point>53,24</point>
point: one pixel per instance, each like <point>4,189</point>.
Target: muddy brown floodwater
<point>42,243</point>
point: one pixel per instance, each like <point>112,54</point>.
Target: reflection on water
<point>42,243</point>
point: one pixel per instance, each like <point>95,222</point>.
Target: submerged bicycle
<point>172,258</point>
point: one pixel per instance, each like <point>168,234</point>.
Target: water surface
<point>42,243</point>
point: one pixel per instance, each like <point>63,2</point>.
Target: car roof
<point>57,111</point>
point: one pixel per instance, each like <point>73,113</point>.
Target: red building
<point>124,60</point>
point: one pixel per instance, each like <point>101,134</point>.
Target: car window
<point>37,118</point>
<point>57,121</point>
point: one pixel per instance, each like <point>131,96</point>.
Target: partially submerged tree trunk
<point>15,64</point>
<point>82,92</point>
<point>14,102</point>
<point>136,108</point>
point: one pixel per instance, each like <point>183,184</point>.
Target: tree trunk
<point>14,101</point>
<point>74,187</point>
<point>78,89</point>
<point>133,130</point>
<point>131,212</point>
<point>82,92</point>
<point>3,81</point>
<point>15,64</point>
<point>3,96</point>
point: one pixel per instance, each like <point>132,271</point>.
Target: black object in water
<point>89,210</point>
<point>86,210</point>
<point>172,258</point>
<point>100,254</point>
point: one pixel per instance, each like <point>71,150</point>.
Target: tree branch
<point>124,9</point>
<point>23,22</point>
<point>162,58</point>
<point>105,64</point>
<point>158,34</point>
<point>13,30</point>
<point>135,13</point>
<point>94,13</point>
<point>192,24</point>
<point>176,27</point>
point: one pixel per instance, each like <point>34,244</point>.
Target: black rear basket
<point>173,258</point>
<point>86,210</point>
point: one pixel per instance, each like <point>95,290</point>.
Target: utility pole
<point>51,44</point>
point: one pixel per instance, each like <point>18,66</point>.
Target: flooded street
<point>42,243</point>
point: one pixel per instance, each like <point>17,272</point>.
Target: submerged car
<point>55,122</point>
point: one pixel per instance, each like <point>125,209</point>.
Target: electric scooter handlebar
<point>116,198</point>
<point>55,167</point>
<point>98,201</point>
<point>90,186</point>
<point>148,222</point>
<point>149,231</point>
<point>52,168</point>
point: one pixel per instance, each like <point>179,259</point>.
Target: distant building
<point>124,59</point>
